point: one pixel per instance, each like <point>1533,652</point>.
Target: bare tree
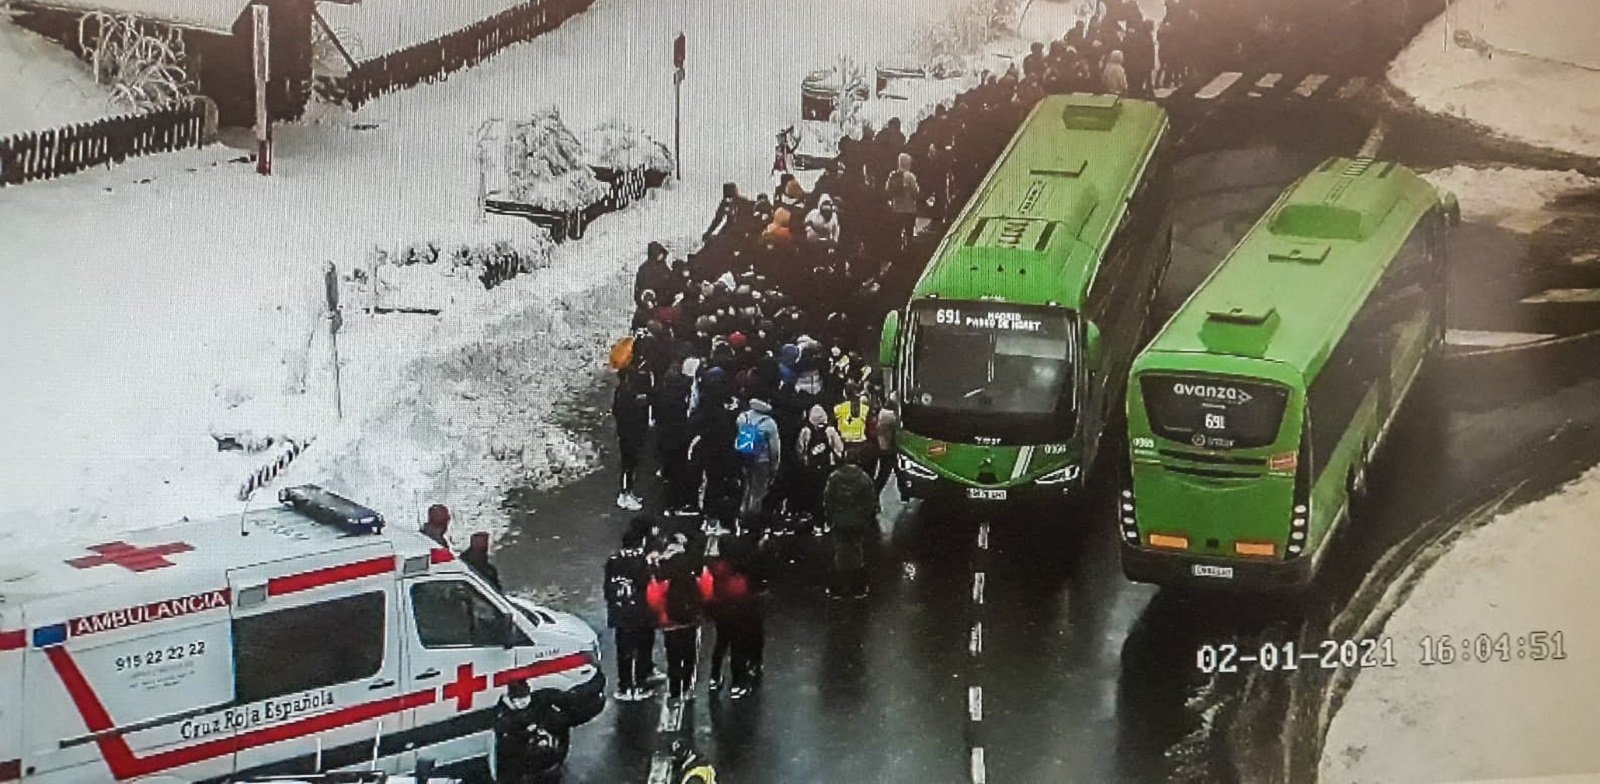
<point>144,63</point>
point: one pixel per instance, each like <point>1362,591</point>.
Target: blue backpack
<point>750,440</point>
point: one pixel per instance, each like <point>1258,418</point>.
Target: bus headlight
<point>914,469</point>
<point>1059,476</point>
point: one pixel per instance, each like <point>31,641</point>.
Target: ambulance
<point>287,640</point>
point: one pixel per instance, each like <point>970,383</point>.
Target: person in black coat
<point>627,612</point>
<point>654,274</point>
<point>630,408</point>
<point>733,213</point>
<point>670,403</point>
<point>476,557</point>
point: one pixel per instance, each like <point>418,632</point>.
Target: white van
<point>287,640</point>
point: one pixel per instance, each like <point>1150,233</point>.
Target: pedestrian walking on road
<point>476,557</point>
<point>733,595</point>
<point>904,197</point>
<point>1115,77</point>
<point>437,525</point>
<point>855,416</point>
<point>630,408</point>
<point>627,577</point>
<point>760,450</point>
<point>670,407</point>
<point>674,595</point>
<point>851,504</point>
<point>819,448</point>
<point>888,427</point>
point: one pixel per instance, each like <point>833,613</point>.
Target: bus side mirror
<point>1451,207</point>
<point>1091,345</point>
<point>889,338</point>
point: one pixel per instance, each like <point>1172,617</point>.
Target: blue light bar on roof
<point>329,509</point>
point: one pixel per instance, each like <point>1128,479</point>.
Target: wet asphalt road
<point>1086,676</point>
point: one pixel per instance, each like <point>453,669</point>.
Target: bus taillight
<point>1170,541</point>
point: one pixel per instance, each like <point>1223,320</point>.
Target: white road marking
<point>975,703</point>
<point>1218,85</point>
<point>980,773</point>
<point>983,536</point>
<point>1267,82</point>
<point>975,641</point>
<point>1024,457</point>
<point>1351,88</point>
<point>1491,339</point>
<point>1374,142</point>
<point>1308,86</point>
<point>660,768</point>
<point>1550,296</point>
<point>1163,92</point>
<point>977,587</point>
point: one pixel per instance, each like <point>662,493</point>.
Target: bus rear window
<point>1213,412</point>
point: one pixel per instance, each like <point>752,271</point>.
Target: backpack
<point>818,453</point>
<point>750,441</point>
<point>621,592</point>
<point>622,353</point>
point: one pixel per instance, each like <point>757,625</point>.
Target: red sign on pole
<point>680,50</point>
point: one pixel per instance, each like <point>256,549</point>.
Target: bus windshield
<point>1213,412</point>
<point>990,369</point>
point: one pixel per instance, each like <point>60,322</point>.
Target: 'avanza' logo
<point>1230,394</point>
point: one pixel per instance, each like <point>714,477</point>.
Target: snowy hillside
<point>376,27</point>
<point>1529,69</point>
<point>42,85</point>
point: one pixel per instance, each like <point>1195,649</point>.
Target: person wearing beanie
<point>761,448</point>
<point>476,557</point>
<point>438,523</point>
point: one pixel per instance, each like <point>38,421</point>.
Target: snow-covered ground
<point>1532,72</point>
<point>1526,571</point>
<point>153,304</point>
<point>43,85</point>
<point>1522,572</point>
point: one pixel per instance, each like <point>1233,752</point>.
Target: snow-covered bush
<point>848,85</point>
<point>143,63</point>
<point>491,262</point>
<point>545,163</point>
<point>941,47</point>
<point>616,145</point>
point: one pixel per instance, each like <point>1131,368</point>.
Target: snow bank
<point>151,305</point>
<point>1527,571</point>
<point>616,145</point>
<point>1528,70</point>
<point>1509,197</point>
<point>372,28</point>
<point>44,86</point>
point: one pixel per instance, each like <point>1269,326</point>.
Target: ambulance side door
<point>456,641</point>
<point>316,665</point>
<point>13,647</point>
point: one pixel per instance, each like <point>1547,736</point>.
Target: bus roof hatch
<point>1239,330</point>
<point>1091,112</point>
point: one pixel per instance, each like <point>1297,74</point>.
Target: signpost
<point>330,283</point>
<point>262,50</point>
<point>680,50</point>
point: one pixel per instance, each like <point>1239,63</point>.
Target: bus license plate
<point>986,494</point>
<point>1207,570</point>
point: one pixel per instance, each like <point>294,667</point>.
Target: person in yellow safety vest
<point>691,767</point>
<point>854,417</point>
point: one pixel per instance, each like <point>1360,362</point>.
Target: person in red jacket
<point>674,595</point>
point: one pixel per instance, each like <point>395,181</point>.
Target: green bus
<point>1254,412</point>
<point>1013,348</point>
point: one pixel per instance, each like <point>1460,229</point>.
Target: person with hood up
<point>670,405</point>
<point>711,449</point>
<point>904,197</point>
<point>822,225</point>
<point>674,595</point>
<point>1115,78</point>
<point>850,502</point>
<point>630,408</point>
<point>654,274</point>
<point>760,450</point>
<point>1033,64</point>
<point>777,234</point>
<point>818,448</point>
<point>627,574</point>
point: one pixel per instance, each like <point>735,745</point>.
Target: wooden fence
<point>39,155</point>
<point>434,60</point>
